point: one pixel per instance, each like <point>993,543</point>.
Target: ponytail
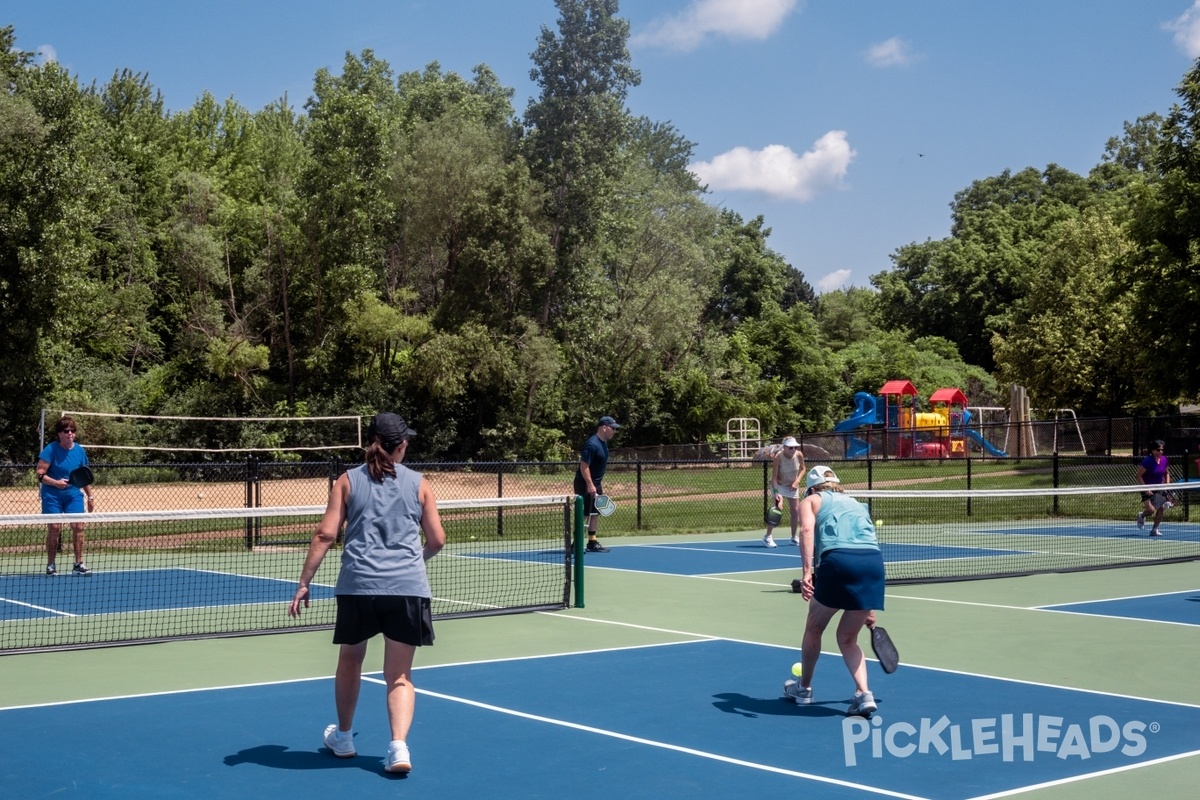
<point>379,461</point>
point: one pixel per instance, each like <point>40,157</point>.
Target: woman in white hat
<point>843,571</point>
<point>786,473</point>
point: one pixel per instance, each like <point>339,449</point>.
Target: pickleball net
<point>941,535</point>
<point>162,575</point>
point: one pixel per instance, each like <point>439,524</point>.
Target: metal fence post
<point>968,481</point>
<point>1054,471</point>
<point>249,501</point>
<point>639,492</point>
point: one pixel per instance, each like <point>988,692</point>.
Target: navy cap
<point>609,421</point>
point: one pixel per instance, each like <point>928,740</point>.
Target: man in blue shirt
<point>593,461</point>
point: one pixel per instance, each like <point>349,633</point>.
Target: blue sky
<point>848,125</point>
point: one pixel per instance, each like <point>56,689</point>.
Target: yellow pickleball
<point>797,669</point>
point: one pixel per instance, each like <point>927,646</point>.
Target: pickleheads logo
<point>1008,737</point>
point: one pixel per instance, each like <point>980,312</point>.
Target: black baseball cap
<point>391,428</point>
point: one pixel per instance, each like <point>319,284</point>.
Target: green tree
<point>50,203</point>
<point>1073,343</point>
<point>962,287</point>
<point>847,316</point>
<point>928,362</point>
<point>577,127</point>
<point>1165,275</point>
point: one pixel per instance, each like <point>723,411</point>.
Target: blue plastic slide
<point>864,414</point>
<point>857,448</point>
<point>987,446</point>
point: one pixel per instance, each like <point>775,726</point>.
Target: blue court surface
<point>35,596</point>
<point>1095,529</point>
<point>1177,607</point>
<point>697,719</point>
<point>731,557</point>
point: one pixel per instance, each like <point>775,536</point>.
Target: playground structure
<point>942,432</point>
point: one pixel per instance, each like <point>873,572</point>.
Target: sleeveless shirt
<point>383,550</point>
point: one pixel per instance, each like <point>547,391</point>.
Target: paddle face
<point>774,516</point>
<point>885,651</point>
<point>604,505</point>
<point>82,476</point>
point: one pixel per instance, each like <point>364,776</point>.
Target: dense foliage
<point>409,242</point>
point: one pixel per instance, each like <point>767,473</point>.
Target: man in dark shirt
<point>593,461</point>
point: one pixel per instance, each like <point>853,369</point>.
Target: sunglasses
<point>67,430</point>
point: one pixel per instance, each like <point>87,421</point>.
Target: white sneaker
<point>398,759</point>
<point>768,541</point>
<point>340,744</point>
<point>798,693</point>
<point>794,541</point>
<point>1141,520</point>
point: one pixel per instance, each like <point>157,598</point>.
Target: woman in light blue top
<point>382,586</point>
<point>843,571</point>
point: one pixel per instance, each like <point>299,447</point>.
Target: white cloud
<point>46,54</point>
<point>894,52</point>
<point>778,171</point>
<point>1187,30</point>
<point>834,280</point>
<point>735,19</point>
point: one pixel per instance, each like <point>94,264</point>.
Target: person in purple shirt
<point>1153,471</point>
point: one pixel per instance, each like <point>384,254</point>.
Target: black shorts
<point>400,618</point>
<point>589,500</point>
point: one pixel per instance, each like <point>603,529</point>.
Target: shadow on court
<point>703,719</point>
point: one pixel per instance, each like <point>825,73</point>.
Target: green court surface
<point>995,628</point>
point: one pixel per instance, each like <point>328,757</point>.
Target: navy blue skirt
<point>850,579</point>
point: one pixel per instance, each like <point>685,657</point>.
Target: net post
<point>577,539</point>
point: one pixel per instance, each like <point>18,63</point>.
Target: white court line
<point>35,607</point>
<point>700,638</point>
<point>1088,776</point>
<point>661,745</point>
<point>708,637</point>
<point>1130,597</point>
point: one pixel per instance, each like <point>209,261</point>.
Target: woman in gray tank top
<point>382,586</point>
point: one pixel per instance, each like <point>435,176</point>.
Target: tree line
<point>410,242</point>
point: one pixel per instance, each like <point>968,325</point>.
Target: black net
<point>933,535</point>
<point>159,575</point>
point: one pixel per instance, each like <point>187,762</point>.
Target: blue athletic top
<point>62,463</point>
<point>382,551</point>
<point>843,523</point>
<point>595,453</point>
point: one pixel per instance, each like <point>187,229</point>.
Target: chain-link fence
<point>664,495</point>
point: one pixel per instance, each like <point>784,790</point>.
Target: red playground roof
<point>898,387</point>
<point>949,396</point>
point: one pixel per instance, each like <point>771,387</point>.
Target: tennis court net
<point>940,535</point>
<point>159,575</point>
